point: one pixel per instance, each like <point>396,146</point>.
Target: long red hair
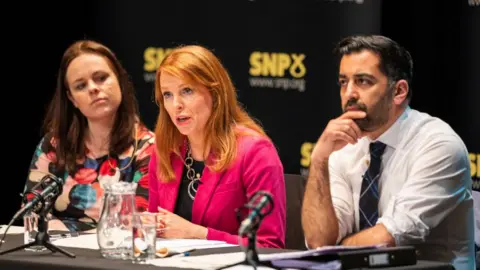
<point>196,64</point>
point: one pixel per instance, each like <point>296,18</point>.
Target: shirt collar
<point>392,136</point>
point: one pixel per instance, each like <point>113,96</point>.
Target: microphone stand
<point>42,238</point>
<point>251,253</point>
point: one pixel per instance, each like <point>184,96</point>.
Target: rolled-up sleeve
<point>342,198</point>
<point>438,181</point>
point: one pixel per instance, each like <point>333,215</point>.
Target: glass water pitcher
<point>114,229</point>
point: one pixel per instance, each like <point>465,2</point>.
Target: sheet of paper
<point>190,243</point>
<point>213,261</point>
<point>89,241</point>
<point>12,230</point>
<point>247,267</point>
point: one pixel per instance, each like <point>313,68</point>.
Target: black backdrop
<point>278,53</point>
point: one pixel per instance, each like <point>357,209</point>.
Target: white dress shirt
<point>425,188</point>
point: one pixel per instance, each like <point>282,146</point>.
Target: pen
<point>184,254</point>
<point>64,235</point>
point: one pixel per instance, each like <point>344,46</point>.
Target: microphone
<point>256,214</point>
<point>52,187</point>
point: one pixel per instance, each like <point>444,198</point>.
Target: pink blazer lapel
<point>205,192</point>
<point>168,192</point>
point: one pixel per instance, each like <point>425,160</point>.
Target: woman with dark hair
<point>93,135</point>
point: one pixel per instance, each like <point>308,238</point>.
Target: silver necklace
<point>191,175</point>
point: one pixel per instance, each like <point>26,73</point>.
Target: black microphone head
<point>36,199</point>
<point>261,202</point>
<point>54,183</point>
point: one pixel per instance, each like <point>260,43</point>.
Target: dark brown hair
<point>66,125</point>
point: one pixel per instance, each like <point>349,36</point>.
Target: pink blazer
<point>256,167</point>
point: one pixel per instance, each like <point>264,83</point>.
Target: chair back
<point>476,212</point>
<point>295,187</point>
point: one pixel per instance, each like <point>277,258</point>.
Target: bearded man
<point>384,173</point>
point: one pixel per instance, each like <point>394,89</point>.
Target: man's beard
<point>377,114</point>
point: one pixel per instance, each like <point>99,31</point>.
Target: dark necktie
<point>369,194</point>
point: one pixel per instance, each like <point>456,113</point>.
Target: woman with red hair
<point>211,157</point>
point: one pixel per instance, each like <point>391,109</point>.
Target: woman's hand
<point>170,225</point>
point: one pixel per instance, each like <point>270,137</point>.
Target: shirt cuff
<point>391,228</point>
<point>402,225</point>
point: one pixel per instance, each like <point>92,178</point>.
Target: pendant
<point>191,188</point>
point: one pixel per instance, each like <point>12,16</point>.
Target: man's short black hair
<point>395,61</point>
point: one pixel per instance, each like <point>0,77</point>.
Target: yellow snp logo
<point>277,64</point>
<point>475,164</point>
<point>153,56</point>
<point>475,170</point>
<point>306,152</point>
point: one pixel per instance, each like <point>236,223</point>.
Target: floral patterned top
<point>80,203</point>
